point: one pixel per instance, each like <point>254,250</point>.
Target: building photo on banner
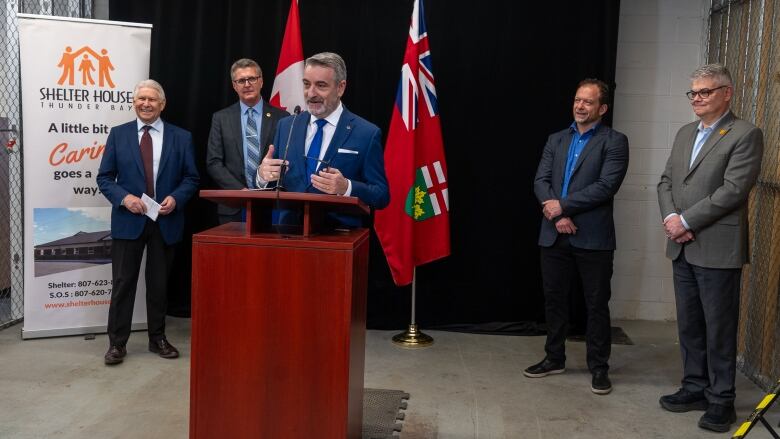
<point>78,77</point>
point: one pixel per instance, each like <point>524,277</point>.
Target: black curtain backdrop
<point>506,72</point>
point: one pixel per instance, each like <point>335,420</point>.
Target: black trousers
<point>560,264</point>
<point>707,315</point>
<point>126,257</point>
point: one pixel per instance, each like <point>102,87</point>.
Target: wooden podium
<point>278,323</point>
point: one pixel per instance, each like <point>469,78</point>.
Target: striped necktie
<point>253,148</point>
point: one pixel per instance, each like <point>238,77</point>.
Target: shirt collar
<point>592,129</point>
<point>157,125</point>
<point>332,118</point>
<point>258,107</point>
<point>712,127</point>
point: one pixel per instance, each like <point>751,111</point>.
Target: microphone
<point>284,167</point>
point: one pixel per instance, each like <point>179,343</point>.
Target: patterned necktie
<point>313,156</point>
<point>147,154</point>
<point>253,148</point>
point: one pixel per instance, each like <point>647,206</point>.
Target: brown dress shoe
<point>164,349</point>
<point>115,355</point>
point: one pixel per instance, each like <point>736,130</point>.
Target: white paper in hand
<point>152,208</point>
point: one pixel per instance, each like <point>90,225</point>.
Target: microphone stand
<point>283,169</point>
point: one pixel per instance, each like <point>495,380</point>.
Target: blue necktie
<point>253,148</point>
<point>313,156</point>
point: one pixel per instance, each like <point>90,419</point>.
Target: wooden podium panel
<point>278,334</point>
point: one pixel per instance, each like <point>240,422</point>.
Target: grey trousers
<point>707,315</point>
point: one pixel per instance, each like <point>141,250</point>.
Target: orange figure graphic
<point>85,67</point>
<point>104,67</point>
<point>66,62</point>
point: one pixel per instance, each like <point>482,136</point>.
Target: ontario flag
<point>287,91</point>
<point>415,228</point>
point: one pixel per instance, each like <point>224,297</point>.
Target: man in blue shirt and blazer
<point>152,157</point>
<point>580,171</point>
<point>331,150</point>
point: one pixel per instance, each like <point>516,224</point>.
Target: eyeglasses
<point>312,162</point>
<point>251,80</point>
<point>704,93</point>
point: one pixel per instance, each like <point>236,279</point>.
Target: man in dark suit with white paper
<point>145,157</point>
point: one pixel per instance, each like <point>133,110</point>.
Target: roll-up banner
<point>77,82</point>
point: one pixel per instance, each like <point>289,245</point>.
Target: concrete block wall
<point>660,42</point>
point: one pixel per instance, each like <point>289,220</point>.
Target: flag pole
<point>412,337</point>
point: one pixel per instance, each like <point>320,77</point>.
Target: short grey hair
<point>244,63</point>
<point>718,72</point>
<point>330,60</point>
<point>150,83</point>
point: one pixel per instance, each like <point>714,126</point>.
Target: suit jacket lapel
<point>340,136</point>
<point>233,126</point>
<point>688,150</point>
<point>265,127</point>
<point>716,135</point>
<point>590,146</point>
<point>167,145</point>
<point>298,140</point>
<point>559,163</point>
<point>135,147</point>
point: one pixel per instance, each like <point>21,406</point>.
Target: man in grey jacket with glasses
<point>703,196</point>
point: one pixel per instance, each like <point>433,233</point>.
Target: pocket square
<point>347,151</point>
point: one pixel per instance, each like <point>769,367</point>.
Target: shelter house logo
<point>86,79</point>
<point>86,67</point>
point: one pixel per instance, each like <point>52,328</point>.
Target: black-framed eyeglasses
<point>704,93</point>
<point>251,80</point>
<point>311,163</point>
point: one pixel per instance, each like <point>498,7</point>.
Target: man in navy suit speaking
<point>579,173</point>
<point>154,158</point>
<point>331,150</point>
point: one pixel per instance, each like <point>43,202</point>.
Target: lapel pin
<point>349,127</point>
<point>723,131</point>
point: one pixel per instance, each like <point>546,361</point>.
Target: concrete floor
<point>465,386</point>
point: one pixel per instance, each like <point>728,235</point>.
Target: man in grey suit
<point>580,171</point>
<point>703,196</point>
<point>240,135</point>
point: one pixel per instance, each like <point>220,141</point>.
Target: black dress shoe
<point>684,401</point>
<point>718,417</point>
<point>601,385</point>
<point>544,368</point>
<point>115,355</point>
<point>162,348</point>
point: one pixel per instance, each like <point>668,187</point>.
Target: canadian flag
<point>288,85</point>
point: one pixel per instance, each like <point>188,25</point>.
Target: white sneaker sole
<point>544,374</point>
<point>600,391</point>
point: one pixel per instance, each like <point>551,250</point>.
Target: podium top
<point>239,198</point>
